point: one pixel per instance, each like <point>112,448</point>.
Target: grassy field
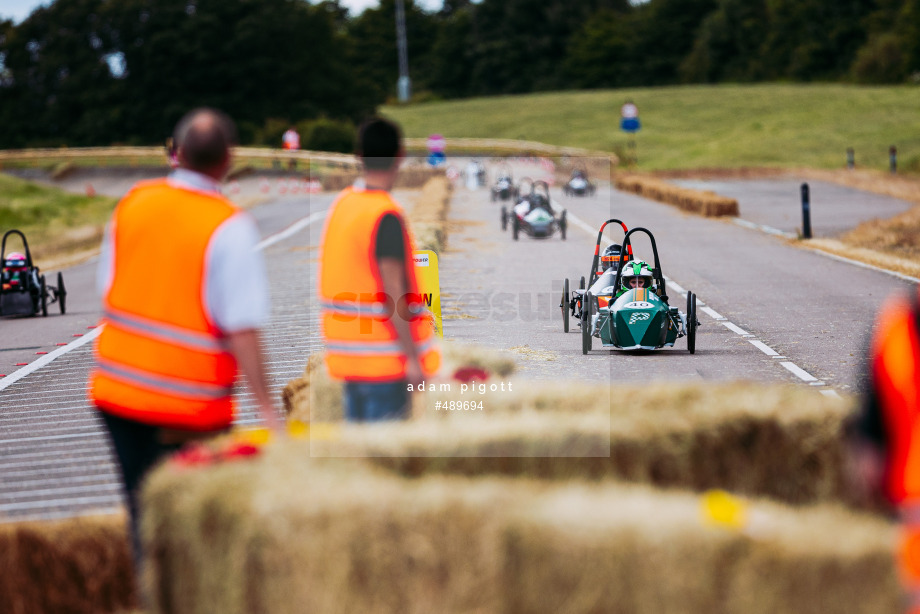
<point>773,125</point>
<point>53,221</point>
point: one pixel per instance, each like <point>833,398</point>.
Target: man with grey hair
<point>178,328</point>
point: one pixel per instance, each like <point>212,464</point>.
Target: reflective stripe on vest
<point>375,347</point>
<point>161,360</point>
<point>370,309</point>
<point>167,385</point>
<point>173,334</point>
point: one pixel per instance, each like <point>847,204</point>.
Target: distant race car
<point>578,184</point>
<point>503,188</point>
<point>475,174</point>
<point>534,214</point>
<point>628,309</point>
<point>23,291</point>
<point>521,191</point>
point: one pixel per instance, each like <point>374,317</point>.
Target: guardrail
<point>494,146</point>
<point>511,145</point>
<point>241,153</point>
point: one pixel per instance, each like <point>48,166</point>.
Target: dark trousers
<point>138,447</point>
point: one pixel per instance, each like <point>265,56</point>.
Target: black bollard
<point>893,159</point>
<point>806,213</point>
<point>851,158</point>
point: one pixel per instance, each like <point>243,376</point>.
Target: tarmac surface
<point>756,290</point>
<point>777,203</point>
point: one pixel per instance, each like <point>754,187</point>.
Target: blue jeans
<point>370,402</point>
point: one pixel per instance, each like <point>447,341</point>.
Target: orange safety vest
<point>361,341</point>
<point>160,359</point>
<point>895,371</point>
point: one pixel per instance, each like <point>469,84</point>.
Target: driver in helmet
<point>611,257</point>
<point>636,274</point>
<point>14,270</point>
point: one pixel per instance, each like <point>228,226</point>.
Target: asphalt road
<point>777,203</point>
<point>814,312</point>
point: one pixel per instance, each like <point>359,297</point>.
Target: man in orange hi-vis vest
<point>379,338</point>
<point>885,436</point>
<point>178,328</point>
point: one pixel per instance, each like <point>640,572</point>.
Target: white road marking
<point>291,230</point>
<point>712,313</point>
<point>569,216</point>
<point>788,235</point>
<point>863,265</point>
<point>736,329</point>
<point>763,347</point>
<point>799,372</point>
<point>764,228</point>
<point>677,287</point>
<point>34,366</point>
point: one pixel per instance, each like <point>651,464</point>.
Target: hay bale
<point>76,565</point>
<point>290,533</point>
<point>428,217</point>
<point>705,203</point>
<point>778,441</point>
<point>286,533</point>
<point>639,551</point>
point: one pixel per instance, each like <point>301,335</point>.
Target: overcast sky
<point>20,9</point>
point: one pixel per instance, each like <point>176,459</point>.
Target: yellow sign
<point>426,271</point>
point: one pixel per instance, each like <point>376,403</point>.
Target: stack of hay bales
<point>774,441</point>
<point>290,533</point>
<point>705,203</point>
<point>74,566</point>
<point>548,499</point>
<point>428,217</point>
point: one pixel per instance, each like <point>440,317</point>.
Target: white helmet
<point>637,274</point>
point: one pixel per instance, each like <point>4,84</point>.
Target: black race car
<point>503,188</point>
<point>578,184</point>
<point>23,291</point>
<point>534,214</point>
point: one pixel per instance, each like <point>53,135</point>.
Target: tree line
<point>94,72</point>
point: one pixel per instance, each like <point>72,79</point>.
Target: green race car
<point>629,309</point>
